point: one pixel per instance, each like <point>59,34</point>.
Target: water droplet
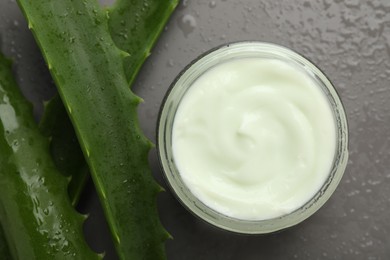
<point>187,24</point>
<point>184,3</point>
<point>352,3</point>
<point>170,63</point>
<point>307,4</point>
<point>212,4</point>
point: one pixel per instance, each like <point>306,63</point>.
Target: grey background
<point>349,40</point>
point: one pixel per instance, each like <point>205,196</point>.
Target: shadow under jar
<point>252,137</point>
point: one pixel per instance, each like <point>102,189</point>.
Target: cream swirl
<point>254,138</point>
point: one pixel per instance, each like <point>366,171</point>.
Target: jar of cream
<point>252,137</point>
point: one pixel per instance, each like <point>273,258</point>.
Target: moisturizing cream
<point>254,138</point>
<point>253,134</point>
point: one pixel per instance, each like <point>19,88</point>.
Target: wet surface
<point>349,40</point>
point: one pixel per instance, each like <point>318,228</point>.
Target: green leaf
<point>64,147</point>
<point>89,72</point>
<point>135,27</point>
<point>37,217</point>
<point>4,251</point>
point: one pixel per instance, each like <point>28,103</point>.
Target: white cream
<point>254,138</point>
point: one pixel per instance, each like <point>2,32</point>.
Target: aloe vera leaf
<point>64,146</point>
<point>145,27</point>
<point>88,70</point>
<point>4,251</point>
<point>151,18</point>
<point>38,219</point>
<point>135,27</point>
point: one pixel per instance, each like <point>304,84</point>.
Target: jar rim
<point>166,117</point>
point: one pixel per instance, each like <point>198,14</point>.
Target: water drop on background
<point>187,24</point>
<point>170,63</point>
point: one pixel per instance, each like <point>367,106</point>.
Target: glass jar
<point>167,115</point>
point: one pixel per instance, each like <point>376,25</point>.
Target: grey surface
<point>349,40</point>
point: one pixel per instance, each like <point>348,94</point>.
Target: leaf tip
<point>101,255</point>
<point>69,178</point>
<point>151,145</point>
<point>125,54</point>
<point>85,216</point>
<point>46,104</point>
